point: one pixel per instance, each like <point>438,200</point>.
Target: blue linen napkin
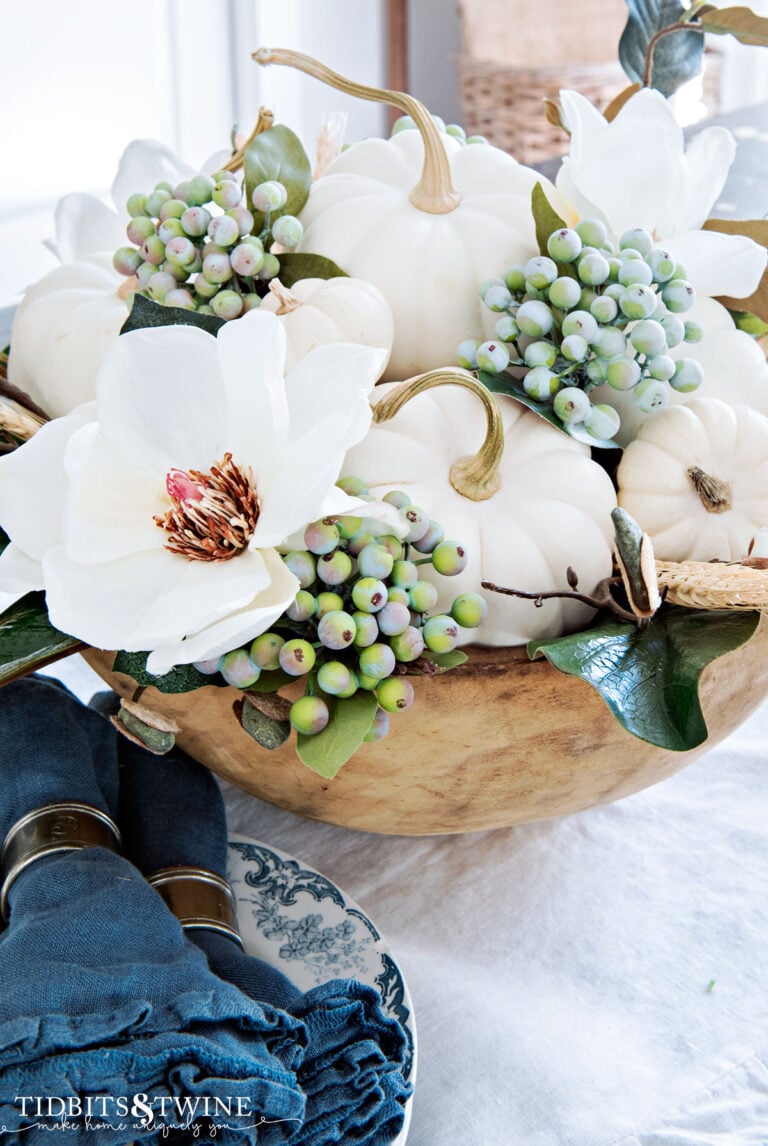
<point>103,997</point>
<point>172,812</point>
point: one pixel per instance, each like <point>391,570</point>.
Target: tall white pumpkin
<point>424,218</point>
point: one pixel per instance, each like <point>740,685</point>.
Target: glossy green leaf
<point>28,640</point>
<point>676,58</point>
<point>183,678</point>
<point>271,681</point>
<point>545,217</point>
<point>506,384</point>
<point>145,313</point>
<point>350,720</point>
<point>298,265</point>
<point>447,661</point>
<point>749,323</point>
<point>741,23</point>
<point>278,154</point>
<point>649,677</point>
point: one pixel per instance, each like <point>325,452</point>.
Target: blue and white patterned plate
<point>300,922</point>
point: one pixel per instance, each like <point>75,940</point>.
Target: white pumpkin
<point>735,370</point>
<point>63,328</point>
<point>551,510</point>
<point>423,217</point>
<point>696,479</point>
<point>319,311</point>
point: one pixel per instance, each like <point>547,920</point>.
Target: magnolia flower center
<point>214,514</point>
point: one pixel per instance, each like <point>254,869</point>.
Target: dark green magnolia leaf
<point>741,23</point>
<point>265,730</point>
<point>506,384</point>
<point>649,677</point>
<point>183,678</point>
<point>350,720</point>
<point>28,640</point>
<point>298,265</point>
<point>676,58</point>
<point>145,313</point>
<point>4,539</point>
<point>545,217</point>
<point>278,154</point>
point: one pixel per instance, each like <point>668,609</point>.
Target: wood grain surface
<point>500,741</point>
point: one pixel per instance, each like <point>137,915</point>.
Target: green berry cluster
<point>361,615</point>
<point>194,247</point>
<point>590,313</point>
<point>455,130</point>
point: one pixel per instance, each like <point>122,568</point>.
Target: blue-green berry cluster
<point>590,313</point>
<point>454,130</point>
<point>362,614</point>
<point>193,245</point>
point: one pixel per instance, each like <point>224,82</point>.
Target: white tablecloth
<point>599,980</point>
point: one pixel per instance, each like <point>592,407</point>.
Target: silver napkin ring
<point>63,827</point>
<point>198,898</point>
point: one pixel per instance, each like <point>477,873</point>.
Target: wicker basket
<point>504,103</point>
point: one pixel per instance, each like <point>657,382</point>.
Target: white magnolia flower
<point>636,172</point>
<point>67,320</point>
<point>84,225</point>
<point>152,516</point>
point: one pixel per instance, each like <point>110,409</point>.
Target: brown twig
<point>602,598</point>
<point>7,390</point>
<point>682,26</point>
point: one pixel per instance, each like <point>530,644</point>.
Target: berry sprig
<point>193,245</point>
<point>361,618</point>
<point>587,314</point>
<point>454,130</point>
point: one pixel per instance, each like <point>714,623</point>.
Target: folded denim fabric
<point>172,812</point>
<point>109,1016</point>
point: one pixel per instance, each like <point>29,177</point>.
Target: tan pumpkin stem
<point>714,493</point>
<point>475,477</point>
<point>434,193</point>
<point>288,301</point>
<point>126,289</point>
<point>265,121</point>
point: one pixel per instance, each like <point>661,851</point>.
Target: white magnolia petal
<point>295,494</point>
<point>144,163</point>
<point>583,119</point>
<point>238,627</point>
<point>631,170</point>
<point>581,206</point>
<point>707,162</point>
<point>719,264</point>
<point>19,574</point>
<point>337,377</point>
<point>159,396</point>
<point>251,354</point>
<point>85,225</point>
<point>111,506</point>
<point>148,599</point>
<point>32,485</point>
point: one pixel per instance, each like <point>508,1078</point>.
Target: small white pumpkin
<point>735,370</point>
<point>63,328</point>
<point>424,218</point>
<point>319,311</point>
<point>551,506</point>
<point>696,479</point>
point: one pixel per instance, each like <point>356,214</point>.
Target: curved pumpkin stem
<point>265,121</point>
<point>288,301</point>
<point>475,477</point>
<point>434,193</point>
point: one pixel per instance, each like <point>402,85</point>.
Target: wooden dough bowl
<point>500,741</point>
